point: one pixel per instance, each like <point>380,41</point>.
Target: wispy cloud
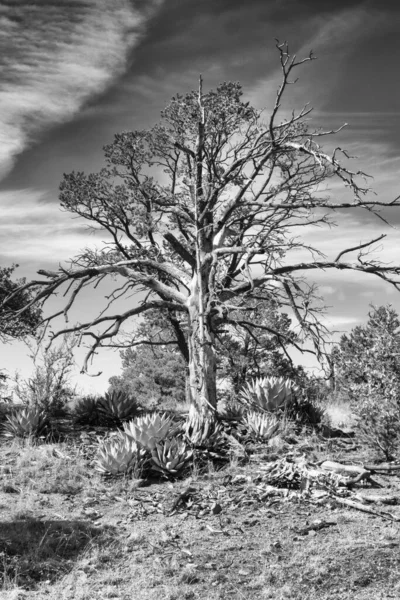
<point>45,234</point>
<point>333,38</point>
<point>56,57</point>
<point>339,320</point>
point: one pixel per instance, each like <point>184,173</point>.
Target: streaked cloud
<point>334,37</point>
<point>339,321</point>
<point>59,57</point>
<point>56,57</point>
<point>46,235</point>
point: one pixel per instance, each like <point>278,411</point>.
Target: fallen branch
<point>382,468</point>
<point>315,526</point>
<point>345,470</point>
<point>378,499</point>
<point>354,473</point>
<point>366,509</point>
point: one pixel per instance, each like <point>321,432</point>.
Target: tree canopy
<point>255,344</point>
<point>367,360</point>
<point>204,213</point>
<point>13,323</point>
<point>154,376</point>
<point>367,365</point>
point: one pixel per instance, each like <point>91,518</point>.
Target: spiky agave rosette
<point>204,433</point>
<point>30,421</point>
<point>262,426</point>
<point>230,410</point>
<point>170,456</point>
<point>120,455</point>
<point>268,393</point>
<point>118,407</point>
<point>87,411</point>
<point>149,430</point>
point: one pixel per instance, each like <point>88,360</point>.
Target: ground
<point>68,533</point>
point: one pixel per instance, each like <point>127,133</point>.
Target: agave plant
<point>120,454</point>
<point>308,412</point>
<point>30,421</point>
<point>148,430</point>
<point>170,456</point>
<point>86,411</point>
<point>269,393</point>
<point>263,426</point>
<point>201,432</point>
<point>118,407</point>
<point>230,411</point>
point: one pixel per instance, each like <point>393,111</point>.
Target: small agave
<point>119,455</point>
<point>170,456</point>
<point>263,426</point>
<point>86,411</point>
<point>29,421</point>
<point>231,411</point>
<point>269,393</point>
<point>147,431</point>
<point>202,432</point>
<point>118,406</point>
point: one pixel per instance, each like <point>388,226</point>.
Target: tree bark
<point>202,356</point>
<point>202,389</point>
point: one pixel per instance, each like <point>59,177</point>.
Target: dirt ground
<point>67,533</point>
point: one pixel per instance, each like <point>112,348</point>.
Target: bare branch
<point>180,249</point>
<point>218,230</point>
<point>359,247</point>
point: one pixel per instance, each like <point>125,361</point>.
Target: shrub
<point>379,421</point>
<point>6,409</point>
<point>154,375</point>
<point>49,388</point>
<point>368,369</point>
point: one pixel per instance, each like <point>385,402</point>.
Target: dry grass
<point>67,534</point>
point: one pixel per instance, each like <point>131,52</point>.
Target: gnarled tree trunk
<point>202,360</point>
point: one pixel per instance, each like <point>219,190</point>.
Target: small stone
<point>216,508</point>
<point>10,489</point>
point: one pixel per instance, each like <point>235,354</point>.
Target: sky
<point>75,72</point>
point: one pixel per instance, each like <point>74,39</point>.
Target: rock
<point>216,508</point>
<point>10,489</point>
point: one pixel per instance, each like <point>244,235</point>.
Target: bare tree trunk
<point>202,358</point>
<point>202,362</point>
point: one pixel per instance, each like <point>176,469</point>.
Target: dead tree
<point>203,213</point>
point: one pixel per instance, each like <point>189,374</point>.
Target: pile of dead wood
<point>349,485</point>
<point>289,478</point>
<point>293,477</point>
